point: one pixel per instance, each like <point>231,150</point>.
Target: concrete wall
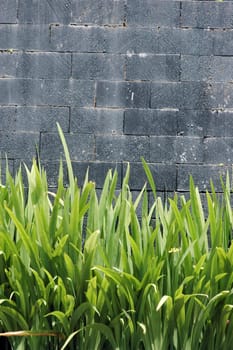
<point>125,79</point>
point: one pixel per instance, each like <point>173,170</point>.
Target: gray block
<point>47,92</point>
<point>24,37</point>
<point>176,149</point>
<point>8,63</point>
<point>218,150</point>
<point>223,43</point>
<point>81,147</point>
<point>202,174</point>
<point>201,95</point>
<point>122,94</point>
<point>206,68</point>
<point>96,121</point>
<point>166,95</point>
<point>164,176</point>
<point>153,67</point>
<point>99,12</point>
<point>153,13</point>
<point>122,148</point>
<point>18,145</point>
<point>104,39</point>
<point>213,123</point>
<point>35,65</point>
<point>43,11</point>
<point>8,11</point>
<point>206,14</point>
<point>189,150</point>
<point>196,42</point>
<point>195,122</point>
<point>98,66</point>
<point>169,40</point>
<point>150,122</point>
<point>33,119</point>
<point>97,172</point>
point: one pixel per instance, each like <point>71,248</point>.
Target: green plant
<point>82,271</point>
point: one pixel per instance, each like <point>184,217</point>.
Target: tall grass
<point>82,271</point>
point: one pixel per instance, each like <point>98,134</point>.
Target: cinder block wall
<point>125,79</point>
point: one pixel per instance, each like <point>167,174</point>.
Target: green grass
<point>81,271</point>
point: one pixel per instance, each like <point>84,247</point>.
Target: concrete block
<point>8,63</point>
<point>24,37</point>
<point>166,95</point>
<point>35,65</point>
<point>195,122</point>
<point>153,13</point>
<point>206,68</point>
<point>47,92</point>
<point>164,176</point>
<point>153,67</point>
<point>34,119</point>
<point>218,150</point>
<point>165,149</point>
<point>81,147</point>
<point>18,145</point>
<point>201,95</point>
<point>44,65</point>
<point>122,148</point>
<point>44,12</point>
<point>101,12</point>
<point>122,94</point>
<point>98,66</point>
<point>8,11</point>
<point>202,174</point>
<point>223,43</point>
<point>169,40</point>
<point>189,150</point>
<point>196,42</point>
<point>96,121</point>
<point>206,14</point>
<point>97,172</point>
<point>150,122</point>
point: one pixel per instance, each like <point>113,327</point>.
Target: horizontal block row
<point>197,14</point>
<point>47,92</point>
<point>92,66</point>
<point>184,95</point>
<point>200,123</point>
<point>92,39</point>
<point>102,121</point>
<point>167,177</point>
<point>89,66</point>
<point>116,94</point>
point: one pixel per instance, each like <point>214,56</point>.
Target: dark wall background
<point>125,79</point>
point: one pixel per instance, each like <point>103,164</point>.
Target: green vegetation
<point>81,271</point>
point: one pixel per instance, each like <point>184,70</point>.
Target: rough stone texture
<point>125,79</point>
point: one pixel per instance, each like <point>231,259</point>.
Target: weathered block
<point>122,94</point>
<point>98,66</point>
<point>153,67</point>
<point>96,121</point>
<point>153,13</point>
<point>150,122</point>
<point>122,148</point>
<point>81,147</point>
<point>43,11</point>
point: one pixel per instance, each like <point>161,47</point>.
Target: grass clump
<point>81,271</point>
